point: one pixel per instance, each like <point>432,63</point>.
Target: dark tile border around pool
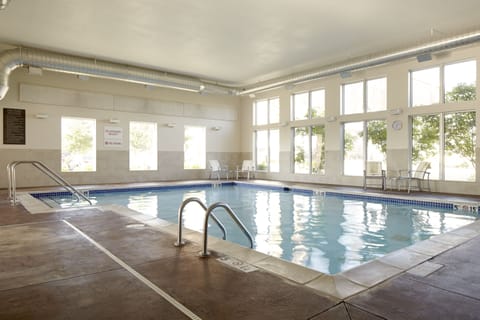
<point>475,207</point>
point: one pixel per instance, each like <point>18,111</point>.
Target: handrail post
<point>204,253</point>
<point>43,168</point>
<point>180,241</point>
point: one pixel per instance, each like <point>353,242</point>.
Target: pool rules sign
<point>113,136</point>
<point>13,126</point>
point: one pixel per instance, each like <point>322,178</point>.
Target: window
<point>369,96</point>
<point>143,146</point>
<point>267,150</point>
<point>266,111</point>
<point>308,105</point>
<point>78,144</point>
<point>194,148</point>
<point>459,84</point>
<point>309,149</point>
<point>363,141</point>
<point>447,141</point>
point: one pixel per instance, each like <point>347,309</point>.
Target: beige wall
<point>397,141</point>
<point>58,95</point>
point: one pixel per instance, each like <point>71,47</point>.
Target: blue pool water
<point>329,233</point>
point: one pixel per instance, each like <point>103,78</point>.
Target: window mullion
<point>442,145</point>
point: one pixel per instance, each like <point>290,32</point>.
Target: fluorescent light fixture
<point>331,119</point>
<point>396,112</point>
<point>41,116</point>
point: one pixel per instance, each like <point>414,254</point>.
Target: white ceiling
<point>233,42</point>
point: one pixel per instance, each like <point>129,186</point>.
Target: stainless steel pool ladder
<point>12,183</point>
<point>208,213</point>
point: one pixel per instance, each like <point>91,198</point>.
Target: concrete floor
<point>97,264</point>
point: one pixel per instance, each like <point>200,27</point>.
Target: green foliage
<point>425,136</point>
<point>459,129</point>
<point>460,135</point>
<point>140,138</point>
<point>377,134</point>
<point>462,92</point>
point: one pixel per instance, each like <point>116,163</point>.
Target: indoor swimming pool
<point>325,231</point>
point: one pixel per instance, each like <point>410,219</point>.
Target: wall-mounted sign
<point>13,126</point>
<point>113,136</point>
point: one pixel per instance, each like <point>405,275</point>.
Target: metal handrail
<point>12,184</point>
<point>232,214</point>
<point>180,241</point>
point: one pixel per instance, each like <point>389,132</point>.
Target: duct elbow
<point>3,91</point>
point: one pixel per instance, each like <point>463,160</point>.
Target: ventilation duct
<point>347,68</point>
<point>3,4</point>
<point>20,57</point>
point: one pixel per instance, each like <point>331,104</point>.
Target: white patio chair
<point>374,171</point>
<point>248,169</point>
<point>418,178</point>
<point>217,170</point>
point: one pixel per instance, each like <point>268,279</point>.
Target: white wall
<point>397,141</point>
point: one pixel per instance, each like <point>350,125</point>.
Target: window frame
<point>310,146</point>
<point>268,148</point>
<point>269,111</point>
<point>365,92</point>
<point>309,104</point>
<point>442,87</point>
<point>93,147</point>
<point>154,143</point>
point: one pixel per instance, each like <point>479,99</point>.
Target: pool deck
<point>112,263</point>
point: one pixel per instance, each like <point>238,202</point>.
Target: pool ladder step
<point>208,214</point>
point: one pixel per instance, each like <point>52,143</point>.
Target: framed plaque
<point>13,126</point>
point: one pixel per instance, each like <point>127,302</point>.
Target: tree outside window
<point>194,148</point>
<point>364,141</point>
<point>78,137</point>
<point>143,146</point>
<point>309,149</point>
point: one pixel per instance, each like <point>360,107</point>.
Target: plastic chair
<point>248,168</point>
<point>374,171</point>
<point>415,178</point>
<point>217,170</point>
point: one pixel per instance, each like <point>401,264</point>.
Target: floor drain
<point>237,264</point>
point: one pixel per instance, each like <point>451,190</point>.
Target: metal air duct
<point>408,53</point>
<point>46,60</point>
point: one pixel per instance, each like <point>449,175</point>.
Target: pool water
<point>328,233</point>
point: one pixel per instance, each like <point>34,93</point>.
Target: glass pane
<point>261,112</point>
<point>300,106</point>
<point>377,95</point>
<point>274,110</point>
<point>262,150</point>
<point>274,150</point>
<point>78,145</point>
<point>426,143</point>
<point>425,87</point>
<point>302,150</point>
<point>353,98</point>
<point>318,103</point>
<point>460,146</point>
<point>460,81</point>
<point>143,146</point>
<point>353,163</point>
<point>194,148</point>
<point>318,149</point>
<point>377,141</point>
